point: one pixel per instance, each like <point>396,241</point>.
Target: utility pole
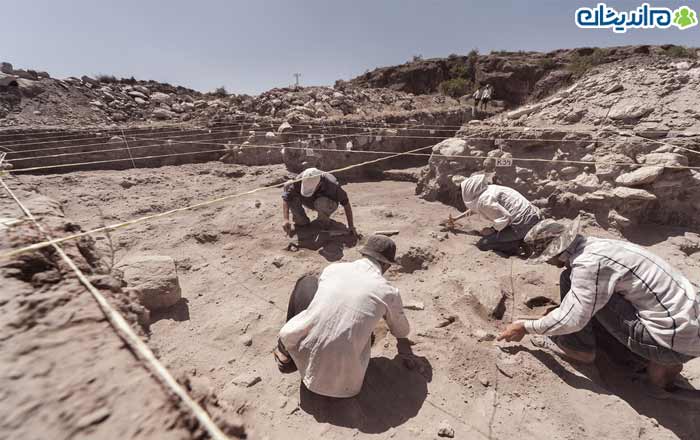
<point>297,76</point>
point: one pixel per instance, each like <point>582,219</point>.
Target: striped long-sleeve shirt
<point>667,303</point>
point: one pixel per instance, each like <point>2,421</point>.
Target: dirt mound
<point>516,76</point>
<point>416,258</point>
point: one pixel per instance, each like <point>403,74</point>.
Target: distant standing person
<point>486,96</point>
<point>318,191</point>
<point>477,97</point>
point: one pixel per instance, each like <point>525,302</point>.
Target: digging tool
<point>451,225</point>
<point>389,233</point>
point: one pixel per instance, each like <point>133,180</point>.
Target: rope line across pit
<point>127,334</point>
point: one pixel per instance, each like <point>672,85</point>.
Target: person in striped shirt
<point>635,295</point>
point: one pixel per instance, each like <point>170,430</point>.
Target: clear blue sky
<point>251,46</point>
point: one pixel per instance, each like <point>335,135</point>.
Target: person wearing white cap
<point>636,296</point>
<point>511,215</point>
<point>317,190</point>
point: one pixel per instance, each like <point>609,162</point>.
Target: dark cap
<point>380,248</point>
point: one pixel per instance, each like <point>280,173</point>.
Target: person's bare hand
<point>287,227</point>
<point>354,233</point>
<point>513,333</point>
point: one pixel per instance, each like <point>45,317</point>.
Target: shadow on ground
<point>330,242</point>
<point>616,373</point>
<point>393,392</point>
<point>179,312</point>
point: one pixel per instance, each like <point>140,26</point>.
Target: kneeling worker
<point>511,215</point>
<point>329,342</point>
<point>318,191</point>
<point>636,296</point>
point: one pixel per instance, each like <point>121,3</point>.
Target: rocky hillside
<point>29,98</point>
<point>516,76</point>
<point>617,144</point>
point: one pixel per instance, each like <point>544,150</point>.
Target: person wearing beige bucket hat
<point>635,296</point>
<point>316,190</point>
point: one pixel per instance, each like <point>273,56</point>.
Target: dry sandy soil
<point>236,276</point>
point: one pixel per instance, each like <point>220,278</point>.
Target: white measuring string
<point>127,334</point>
<point>226,145</point>
<point>414,152</point>
<point>61,132</point>
<point>193,129</point>
<point>467,138</point>
<point>323,137</point>
<point>120,225</point>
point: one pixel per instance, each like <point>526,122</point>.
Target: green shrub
<point>106,78</point>
<point>580,64</point>
<point>460,71</point>
<point>547,63</point>
<point>455,87</point>
<point>221,92</point>
<point>681,52</point>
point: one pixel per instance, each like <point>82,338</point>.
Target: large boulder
<point>161,113</point>
<point>666,159</point>
<point>630,110</point>
<point>161,98</point>
<point>641,176</point>
<point>153,278</point>
<point>437,182</point>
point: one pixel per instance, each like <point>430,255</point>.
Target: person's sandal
<point>284,363</point>
<point>546,343</point>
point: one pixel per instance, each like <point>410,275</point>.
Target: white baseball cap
<point>311,180</point>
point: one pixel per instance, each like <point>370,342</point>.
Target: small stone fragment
<point>246,380</point>
<point>246,340</point>
<point>483,336</point>
<point>445,321</point>
<point>446,430</point>
<point>93,418</point>
<point>414,305</point>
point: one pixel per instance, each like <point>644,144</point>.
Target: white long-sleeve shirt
<point>503,206</point>
<point>330,341</point>
<point>666,301</point>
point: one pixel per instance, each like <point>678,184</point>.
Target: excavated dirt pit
<point>236,276</point>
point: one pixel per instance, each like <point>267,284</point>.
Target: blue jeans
<point>619,318</point>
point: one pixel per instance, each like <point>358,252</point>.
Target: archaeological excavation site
<point>151,236</point>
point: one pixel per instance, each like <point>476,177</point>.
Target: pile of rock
<point>296,104</point>
<point>654,99</point>
<point>626,168</point>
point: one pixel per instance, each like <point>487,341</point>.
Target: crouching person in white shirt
<point>637,297</point>
<point>511,215</point>
<point>329,342</point>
